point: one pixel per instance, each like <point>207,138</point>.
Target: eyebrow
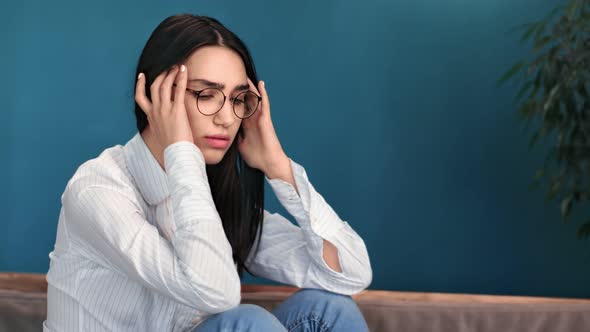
<point>220,86</point>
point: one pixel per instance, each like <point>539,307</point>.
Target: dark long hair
<point>237,189</point>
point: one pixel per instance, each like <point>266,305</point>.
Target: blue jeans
<point>306,310</point>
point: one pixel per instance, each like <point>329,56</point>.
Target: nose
<point>225,116</point>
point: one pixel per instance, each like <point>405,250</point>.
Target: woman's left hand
<point>260,148</point>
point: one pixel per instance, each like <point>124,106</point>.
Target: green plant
<point>554,96</point>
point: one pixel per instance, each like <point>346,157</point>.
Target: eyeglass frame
<point>196,93</point>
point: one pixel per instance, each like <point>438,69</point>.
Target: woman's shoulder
<point>107,170</point>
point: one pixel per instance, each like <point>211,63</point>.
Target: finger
<point>264,95</point>
<point>181,79</point>
<point>166,86</point>
<point>140,98</point>
<point>252,86</point>
<point>155,90</point>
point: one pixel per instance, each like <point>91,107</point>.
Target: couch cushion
<point>413,311</point>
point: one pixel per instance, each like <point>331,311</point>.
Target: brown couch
<point>23,308</point>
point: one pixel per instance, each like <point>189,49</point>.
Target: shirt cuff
<point>188,184</point>
<point>182,155</point>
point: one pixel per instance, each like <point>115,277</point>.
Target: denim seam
<point>304,319</point>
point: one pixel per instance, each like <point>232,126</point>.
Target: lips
<point>217,141</point>
<point>223,137</point>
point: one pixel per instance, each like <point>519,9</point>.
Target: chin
<point>214,158</point>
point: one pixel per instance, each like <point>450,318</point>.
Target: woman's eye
<point>205,96</point>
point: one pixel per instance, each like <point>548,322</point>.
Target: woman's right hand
<point>166,115</point>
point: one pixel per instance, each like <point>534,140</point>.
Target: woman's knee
<point>251,310</point>
<point>334,301</point>
<point>254,316</point>
<point>331,310</point>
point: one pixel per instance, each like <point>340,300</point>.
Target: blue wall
<point>402,130</point>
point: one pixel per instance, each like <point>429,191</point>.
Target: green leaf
<point>511,72</point>
<point>566,207</point>
<point>528,108</point>
<point>552,13</point>
<point>542,42</point>
<point>534,185</point>
<point>582,57</point>
<point>534,139</point>
<point>552,116</point>
<point>539,174</point>
<point>533,67</point>
<point>581,89</point>
<point>584,231</point>
<point>553,51</point>
<point>529,31</point>
<point>520,27</point>
<point>552,95</point>
<point>553,190</point>
<point>570,106</point>
<point>523,90</point>
<point>536,84</point>
<point>558,29</point>
<point>540,30</point>
<point>571,9</point>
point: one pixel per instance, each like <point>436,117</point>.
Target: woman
<point>155,235</point>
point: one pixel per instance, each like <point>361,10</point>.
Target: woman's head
<point>213,55</point>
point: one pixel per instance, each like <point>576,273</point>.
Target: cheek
<point>188,105</point>
<point>196,125</point>
<point>195,118</point>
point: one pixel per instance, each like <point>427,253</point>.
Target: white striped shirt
<point>143,249</point>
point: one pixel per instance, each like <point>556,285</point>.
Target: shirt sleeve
<point>294,255</point>
<point>195,268</point>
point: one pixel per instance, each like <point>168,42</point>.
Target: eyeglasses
<point>211,100</point>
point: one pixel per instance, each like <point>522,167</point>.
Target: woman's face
<point>220,67</point>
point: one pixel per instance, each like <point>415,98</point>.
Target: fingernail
<point>140,75</point>
<point>262,84</point>
<point>182,68</point>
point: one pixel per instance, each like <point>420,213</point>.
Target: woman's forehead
<point>217,64</point>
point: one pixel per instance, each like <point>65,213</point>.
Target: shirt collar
<point>145,169</point>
